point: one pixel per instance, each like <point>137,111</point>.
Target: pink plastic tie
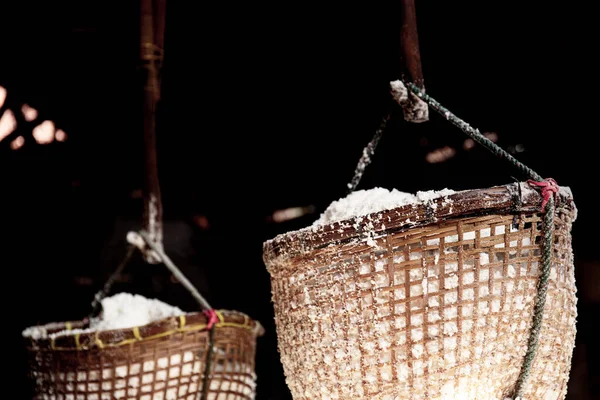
<point>549,187</point>
<point>212,318</point>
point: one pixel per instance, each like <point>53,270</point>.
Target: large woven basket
<point>430,301</point>
<point>164,360</point>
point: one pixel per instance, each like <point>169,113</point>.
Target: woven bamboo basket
<point>430,301</point>
<point>164,360</point>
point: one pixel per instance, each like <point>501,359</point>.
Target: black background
<point>264,107</point>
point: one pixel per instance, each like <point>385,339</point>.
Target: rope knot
<point>212,318</point>
<point>549,187</point>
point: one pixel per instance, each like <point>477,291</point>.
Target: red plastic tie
<point>549,187</point>
<point>213,318</point>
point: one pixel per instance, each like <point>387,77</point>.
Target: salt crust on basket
<point>425,301</point>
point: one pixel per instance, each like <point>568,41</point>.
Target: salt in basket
<point>430,301</point>
<point>164,360</point>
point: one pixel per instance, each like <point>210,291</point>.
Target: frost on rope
<point>415,109</point>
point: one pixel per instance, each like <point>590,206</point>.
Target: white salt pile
<point>363,202</point>
<point>121,311</point>
<point>125,310</point>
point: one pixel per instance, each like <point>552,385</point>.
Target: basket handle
<point>102,293</point>
<point>414,109</point>
<point>208,310</point>
<point>134,238</point>
<point>142,241</point>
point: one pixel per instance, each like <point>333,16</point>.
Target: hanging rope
<point>203,395</point>
<point>139,240</point>
<point>102,293</point>
<point>367,155</point>
<point>176,271</point>
<point>208,310</point>
<point>474,133</point>
<point>548,188</point>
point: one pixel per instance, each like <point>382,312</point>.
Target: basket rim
<point>518,197</point>
<point>188,322</point>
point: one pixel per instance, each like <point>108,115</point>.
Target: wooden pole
<point>151,55</point>
<point>409,45</point>
<point>410,61</point>
<point>159,8</point>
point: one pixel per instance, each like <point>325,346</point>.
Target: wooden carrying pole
<point>152,27</point>
<point>409,45</point>
<point>410,62</point>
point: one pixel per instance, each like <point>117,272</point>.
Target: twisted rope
<point>549,188</point>
<point>207,309</point>
<point>203,395</point>
<point>102,293</point>
<point>175,271</point>
<point>367,154</point>
<point>474,133</point>
<point>540,300</point>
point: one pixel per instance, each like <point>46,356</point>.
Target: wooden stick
<point>160,12</point>
<point>410,61</point>
<point>409,45</point>
<point>159,7</point>
<point>151,56</point>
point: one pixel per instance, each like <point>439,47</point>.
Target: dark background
<point>264,107</point>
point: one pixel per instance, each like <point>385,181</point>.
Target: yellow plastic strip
<point>245,325</point>
<point>123,343</point>
<point>234,325</point>
<point>220,316</point>
<point>62,349</point>
<point>68,326</point>
<point>138,337</point>
<point>192,328</point>
<point>181,321</point>
<point>99,342</point>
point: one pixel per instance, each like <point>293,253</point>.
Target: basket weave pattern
<point>437,311</point>
<point>165,360</point>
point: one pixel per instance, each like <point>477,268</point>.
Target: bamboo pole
<point>151,25</point>
<point>410,62</point>
<point>159,8</point>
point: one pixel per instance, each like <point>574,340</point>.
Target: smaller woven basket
<point>164,360</point>
<point>426,302</point>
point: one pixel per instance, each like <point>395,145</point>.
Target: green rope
<point>540,301</point>
<point>367,155</point>
<point>209,353</point>
<point>542,289</point>
<point>474,133</point>
<point>102,293</point>
<point>203,394</point>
